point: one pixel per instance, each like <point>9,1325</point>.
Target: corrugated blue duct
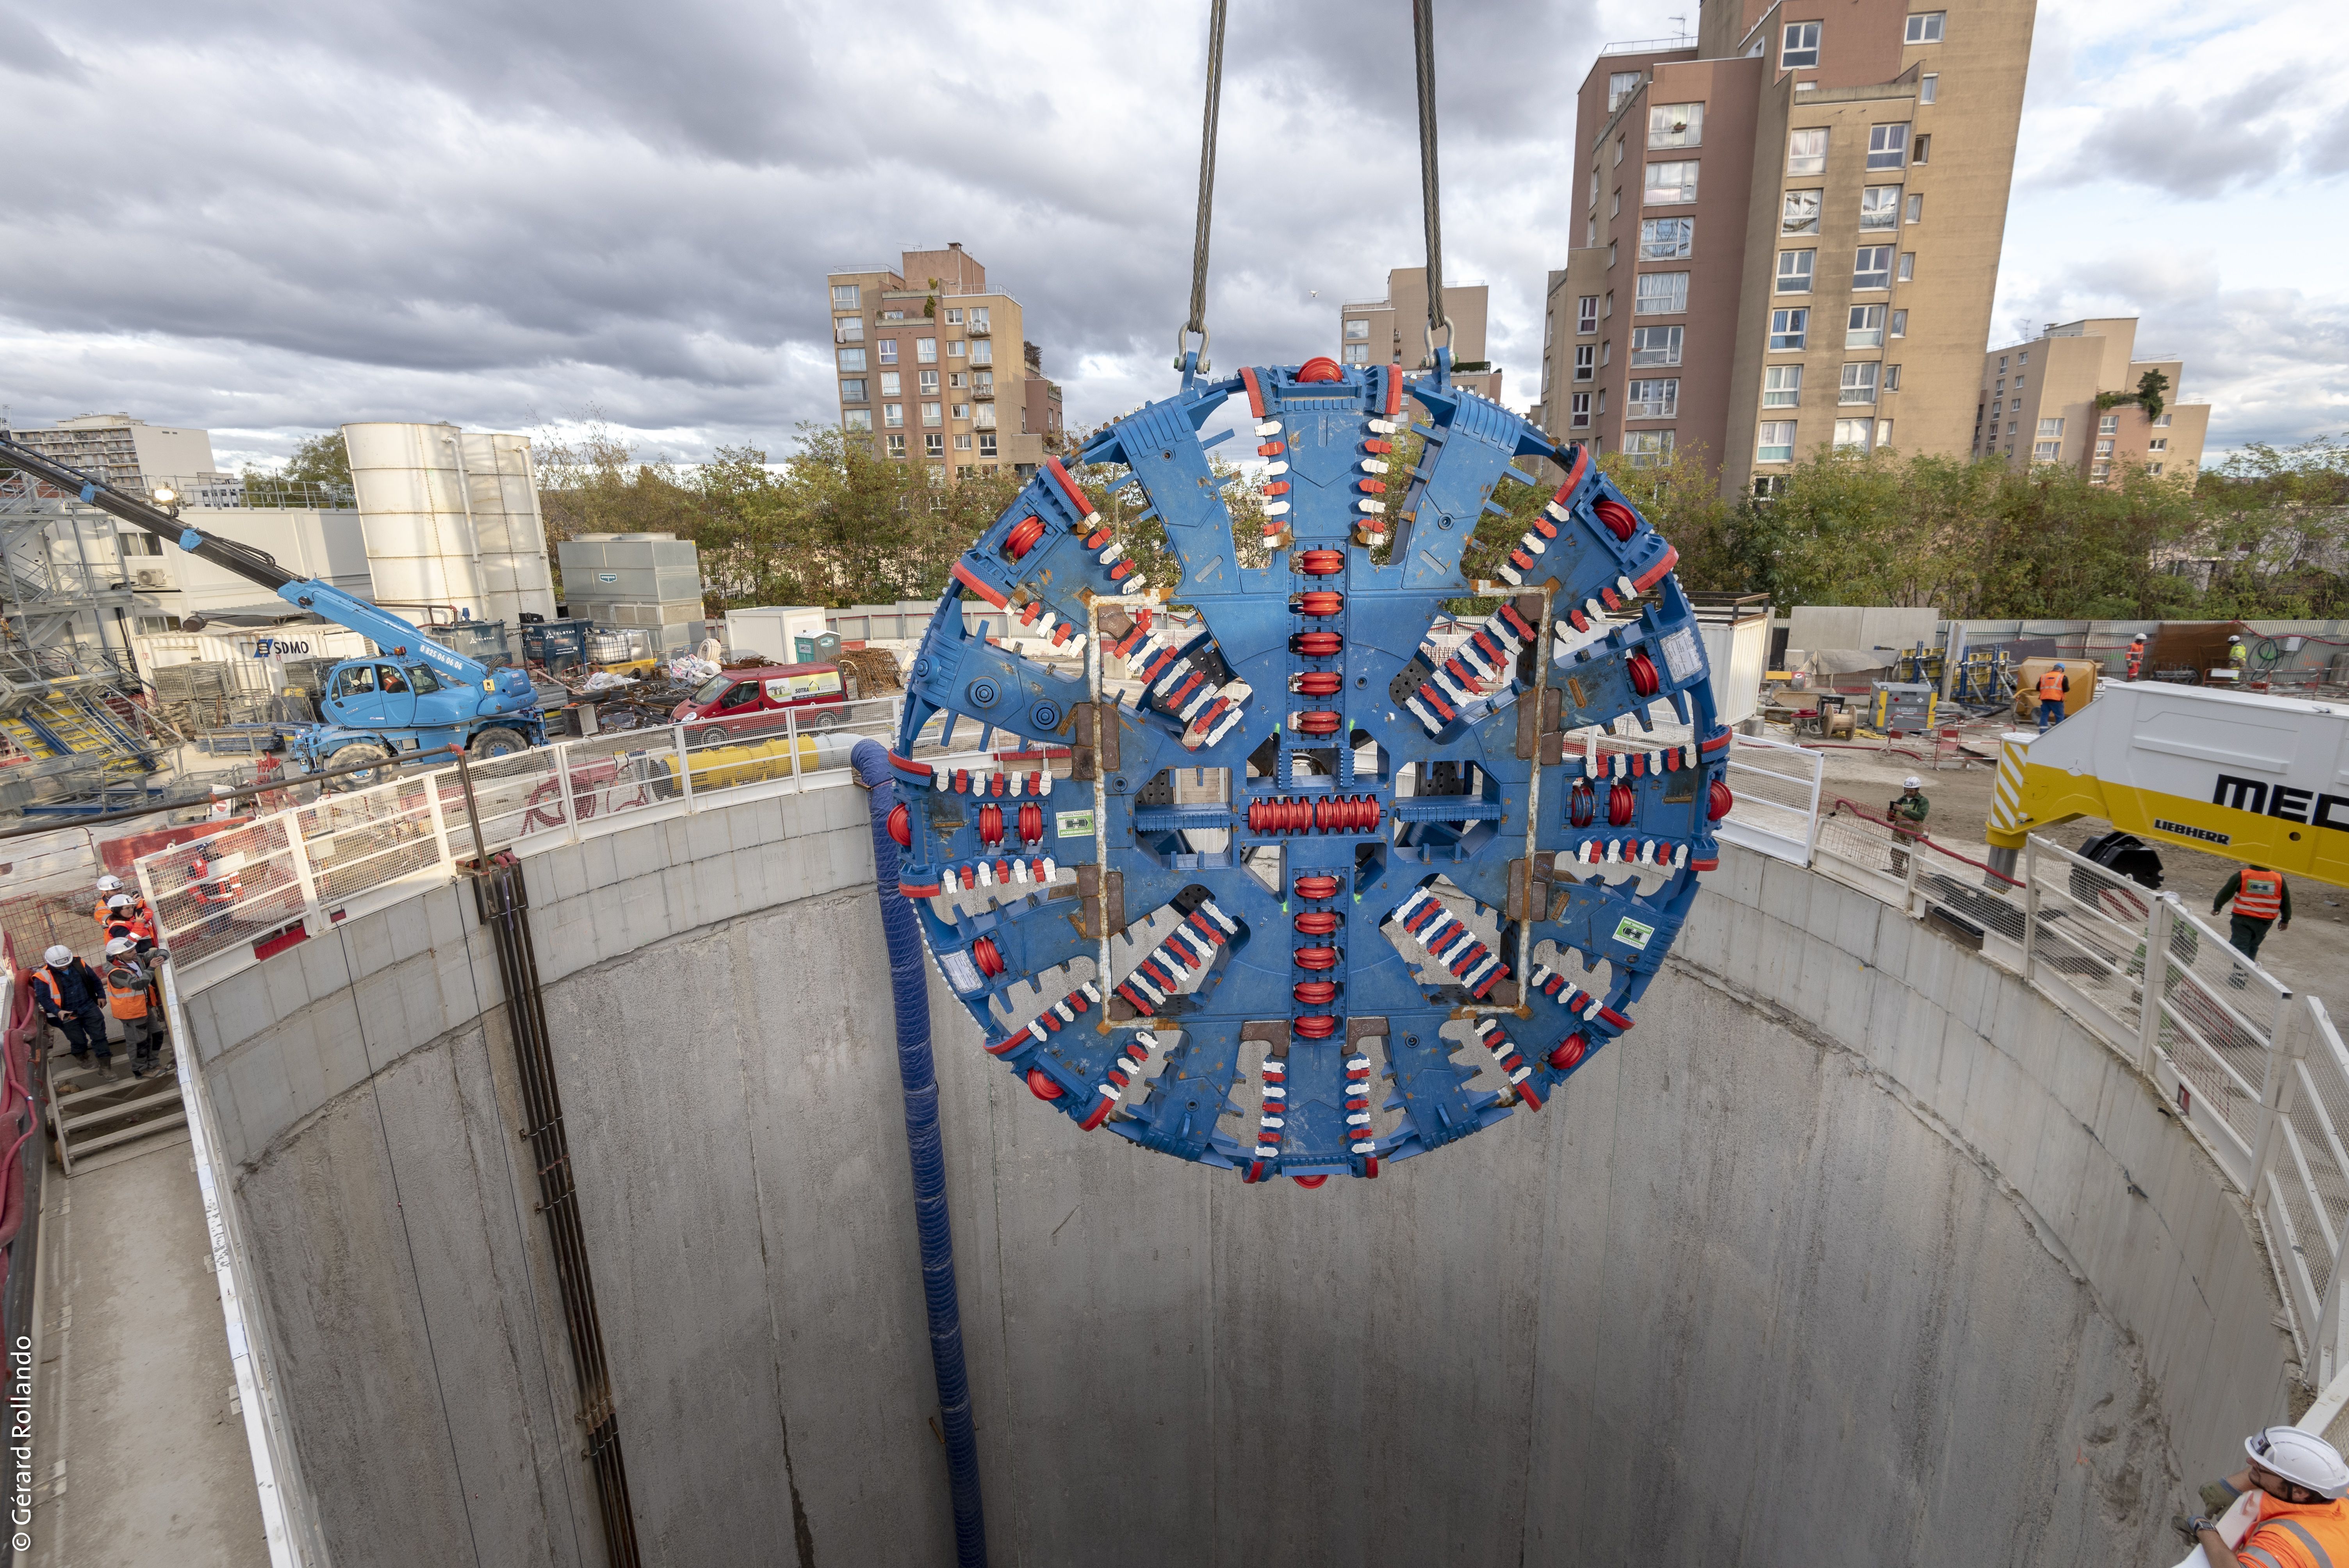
<point>909,988</point>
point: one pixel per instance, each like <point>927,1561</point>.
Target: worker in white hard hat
<point>1907,815</point>
<point>223,803</point>
<point>107,888</point>
<point>2136,656</point>
<point>2301,1521</point>
<point>72,997</point>
<point>129,982</point>
<point>2239,657</point>
<point>127,916</point>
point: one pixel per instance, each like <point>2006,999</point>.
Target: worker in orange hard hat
<point>2053,686</point>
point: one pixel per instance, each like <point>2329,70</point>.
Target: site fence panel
<point>1776,789</point>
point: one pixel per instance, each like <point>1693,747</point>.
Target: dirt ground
<point>2311,956</point>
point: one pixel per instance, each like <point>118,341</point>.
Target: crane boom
<point>389,631</point>
<point>2257,778</point>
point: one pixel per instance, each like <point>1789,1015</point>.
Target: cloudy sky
<point>268,217</point>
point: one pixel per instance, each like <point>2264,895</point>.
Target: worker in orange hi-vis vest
<point>2301,1521</point>
<point>2136,656</point>
<point>2053,685</point>
<point>2262,901</point>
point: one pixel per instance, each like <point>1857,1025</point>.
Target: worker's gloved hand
<point>161,955</point>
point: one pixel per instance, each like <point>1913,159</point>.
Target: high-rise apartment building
<point>2050,400</point>
<point>1393,330</point>
<point>129,454</point>
<point>1790,229</point>
<point>919,372</point>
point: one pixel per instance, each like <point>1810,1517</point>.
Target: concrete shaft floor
<point>1854,1251</point>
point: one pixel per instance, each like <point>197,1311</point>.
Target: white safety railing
<point>228,899</point>
<point>1776,790</point>
<point>2258,1072</point>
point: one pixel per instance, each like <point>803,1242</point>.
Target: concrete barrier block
<point>283,984</point>
<point>640,852</point>
<point>677,837</point>
<point>1855,919</point>
<point>407,930</point>
<point>303,1055</point>
<point>264,1102</point>
<point>240,1011</point>
<point>449,913</point>
<point>335,1033</point>
<point>556,873</point>
<point>565,940</point>
<point>709,837</point>
<point>1785,893</point>
<point>599,858</point>
<point>324,966</point>
<point>1739,877</point>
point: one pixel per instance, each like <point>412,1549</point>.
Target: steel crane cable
<point>1198,322</point>
<point>1422,49</point>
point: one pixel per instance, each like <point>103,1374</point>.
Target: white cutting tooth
<point>1045,623</point>
<point>1111,552</point>
<point>1046,775</point>
<point>1275,508</point>
<point>1373,506</point>
<point>1019,870</point>
<point>1077,645</point>
<point>1623,588</point>
<point>1533,543</point>
<point>1275,469</point>
<point>1050,871</point>
<point>1166,682</point>
<point>1509,576</point>
<point>1136,583</point>
<point>1206,694</point>
<point>938,778</point>
<point>1373,466</point>
<point>1382,427</point>
<point>1267,428</point>
<point>1559,512</point>
<point>986,875</point>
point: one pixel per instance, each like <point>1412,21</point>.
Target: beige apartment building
<point>1393,330</point>
<point>2039,404</point>
<point>1790,229</point>
<point>920,373</point>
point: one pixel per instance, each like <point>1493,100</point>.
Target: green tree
<point>319,459</point>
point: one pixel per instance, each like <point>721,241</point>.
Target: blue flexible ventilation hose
<point>908,984</point>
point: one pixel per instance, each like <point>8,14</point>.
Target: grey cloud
<point>2195,151</point>
<point>26,49</point>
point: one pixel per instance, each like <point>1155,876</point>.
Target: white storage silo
<point>451,519</point>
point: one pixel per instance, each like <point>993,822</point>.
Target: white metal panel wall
<point>414,513</point>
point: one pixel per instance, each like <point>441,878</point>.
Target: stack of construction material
<point>649,582</point>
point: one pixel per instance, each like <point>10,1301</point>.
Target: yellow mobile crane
<point>2261,779</point>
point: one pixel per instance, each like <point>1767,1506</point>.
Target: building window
<point>1925,27</point>
<point>1782,387</point>
<point>1586,361</point>
<point>1358,329</point>
<point>1618,151</point>
<point>2100,472</point>
<point>896,445</point>
<point>2161,423</point>
<point>848,329</point>
<point>2046,452</point>
<point>934,446</point>
<point>2051,429</point>
<point>856,419</point>
<point>1872,268</point>
<point>844,296</point>
<point>2103,446</point>
<point>954,348</point>
<point>1768,485</point>
<point>1590,231</point>
<point>1787,329</point>
<point>1675,125</point>
<point>926,350</point>
<point>2161,445</point>
<point>1886,145</point>
<point>887,350</point>
<point>1606,354</point>
<point>1610,253</point>
<point>1661,293</point>
<point>1607,305</point>
<point>889,383</point>
<point>1776,443</point>
<point>1928,87</point>
<point>929,380</point>
<point>2154,468</point>
<point>1858,382</point>
<point>1357,354</point>
<point>1892,379</point>
<point>1908,270</point>
<point>1798,45</point>
<point>1578,417</point>
<point>851,359</point>
<point>1795,269</point>
<point>1646,449</point>
<point>1585,314</point>
<point>930,414</point>
<point>1806,151</point>
<point>1667,239</point>
<point>1923,151</point>
<point>953,318</point>
<point>983,380</point>
<point>962,443</point>
<point>2109,425</point>
<point>1883,434</point>
<point>986,444</point>
<point>1594,186</point>
<point>983,352</point>
<point>893,415</point>
<point>1851,435</point>
<point>1652,399</point>
<point>1866,328</point>
<point>1615,203</point>
<point>1900,323</point>
<point>852,391</point>
<point>1620,85</point>
<point>962,410</point>
<point>979,317</point>
<point>1997,408</point>
<point>1879,207</point>
<point>1916,209</point>
<point>1801,214</point>
<point>1652,345</point>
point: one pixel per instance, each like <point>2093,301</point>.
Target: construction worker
<point>2054,684</point>
<point>1907,815</point>
<point>107,888</point>
<point>127,916</point>
<point>2262,901</point>
<point>2136,656</point>
<point>72,996</point>
<point>127,982</point>
<point>223,804</point>
<point>2239,657</point>
<point>2301,1521</point>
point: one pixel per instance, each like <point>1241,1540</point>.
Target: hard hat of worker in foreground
<point>60,954</point>
<point>2059,664</point>
<point>1912,782</point>
<point>2302,1458</point>
<point>122,945</point>
<point>2138,638</point>
<point>120,901</point>
<point>110,884</point>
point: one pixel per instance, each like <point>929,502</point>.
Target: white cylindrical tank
<point>450,519</point>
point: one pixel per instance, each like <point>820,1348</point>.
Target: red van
<point>735,704</point>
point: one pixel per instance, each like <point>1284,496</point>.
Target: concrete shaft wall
<point>1856,1250</point>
